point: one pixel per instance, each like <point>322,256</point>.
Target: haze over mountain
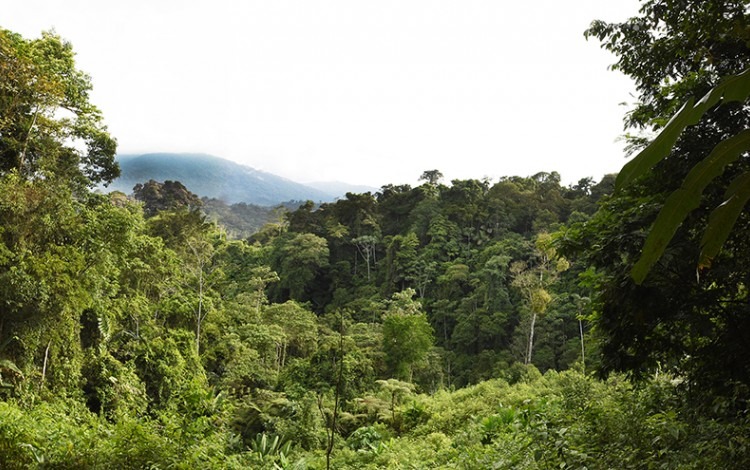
<point>339,189</point>
<point>215,177</point>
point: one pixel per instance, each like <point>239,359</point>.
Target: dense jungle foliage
<point>471,324</point>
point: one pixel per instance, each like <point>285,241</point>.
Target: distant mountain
<point>339,189</point>
<point>214,177</point>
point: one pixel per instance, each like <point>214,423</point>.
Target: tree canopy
<point>48,127</point>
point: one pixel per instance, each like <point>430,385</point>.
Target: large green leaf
<point>723,218</point>
<point>659,147</point>
<point>687,198</point>
<point>733,88</point>
<point>726,152</point>
<point>677,206</point>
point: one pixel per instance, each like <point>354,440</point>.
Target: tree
<point>395,206</point>
<point>47,124</point>
<point>464,203</point>
<point>170,195</point>
<point>673,319</point>
<point>675,50</point>
<point>395,391</point>
<point>299,327</point>
<point>367,248</point>
<point>401,260</point>
<point>533,282</point>
<point>407,335</point>
<point>199,266</point>
<point>262,276</point>
<point>431,177</point>
<point>298,260</point>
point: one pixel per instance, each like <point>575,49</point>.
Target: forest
<point>474,324</point>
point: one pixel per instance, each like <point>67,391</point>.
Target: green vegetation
<point>241,220</point>
<point>681,313</point>
<point>438,326</point>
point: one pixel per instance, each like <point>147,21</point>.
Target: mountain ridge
<point>215,177</point>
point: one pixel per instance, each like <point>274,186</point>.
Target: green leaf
<point>677,206</point>
<point>659,148</point>
<point>687,198</point>
<point>8,365</point>
<point>726,152</point>
<point>723,218</point>
<point>733,88</point>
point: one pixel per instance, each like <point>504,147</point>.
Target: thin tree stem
<point>44,366</point>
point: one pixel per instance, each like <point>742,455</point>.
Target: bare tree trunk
<point>199,317</point>
<point>44,366</point>
<point>531,339</point>
<point>583,350</point>
<point>22,155</point>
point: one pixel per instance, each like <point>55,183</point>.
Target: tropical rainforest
<point>476,324</point>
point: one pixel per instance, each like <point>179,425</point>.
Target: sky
<point>364,92</point>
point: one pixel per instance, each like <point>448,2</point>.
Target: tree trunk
<point>583,350</point>
<point>44,367</point>
<point>199,318</point>
<point>531,339</point>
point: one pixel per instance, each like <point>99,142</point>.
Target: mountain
<point>213,177</point>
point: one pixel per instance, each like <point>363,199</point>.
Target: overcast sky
<point>367,92</point>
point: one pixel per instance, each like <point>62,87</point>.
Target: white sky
<point>366,92</point>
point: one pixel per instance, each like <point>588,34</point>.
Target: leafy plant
<point>7,364</point>
<point>269,446</point>
<point>685,199</point>
<point>365,439</point>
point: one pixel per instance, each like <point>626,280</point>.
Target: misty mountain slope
<point>213,177</point>
<point>340,189</point>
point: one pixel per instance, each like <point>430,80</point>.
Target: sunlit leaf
<point>736,88</point>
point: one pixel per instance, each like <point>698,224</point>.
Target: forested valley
<point>508,323</point>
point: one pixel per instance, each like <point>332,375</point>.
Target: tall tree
<point>431,177</point>
<point>534,281</point>
<point>407,335</point>
<point>47,124</point>
<point>199,266</point>
<point>298,259</point>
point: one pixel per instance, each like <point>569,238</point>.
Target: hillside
<point>213,177</point>
<point>241,220</point>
